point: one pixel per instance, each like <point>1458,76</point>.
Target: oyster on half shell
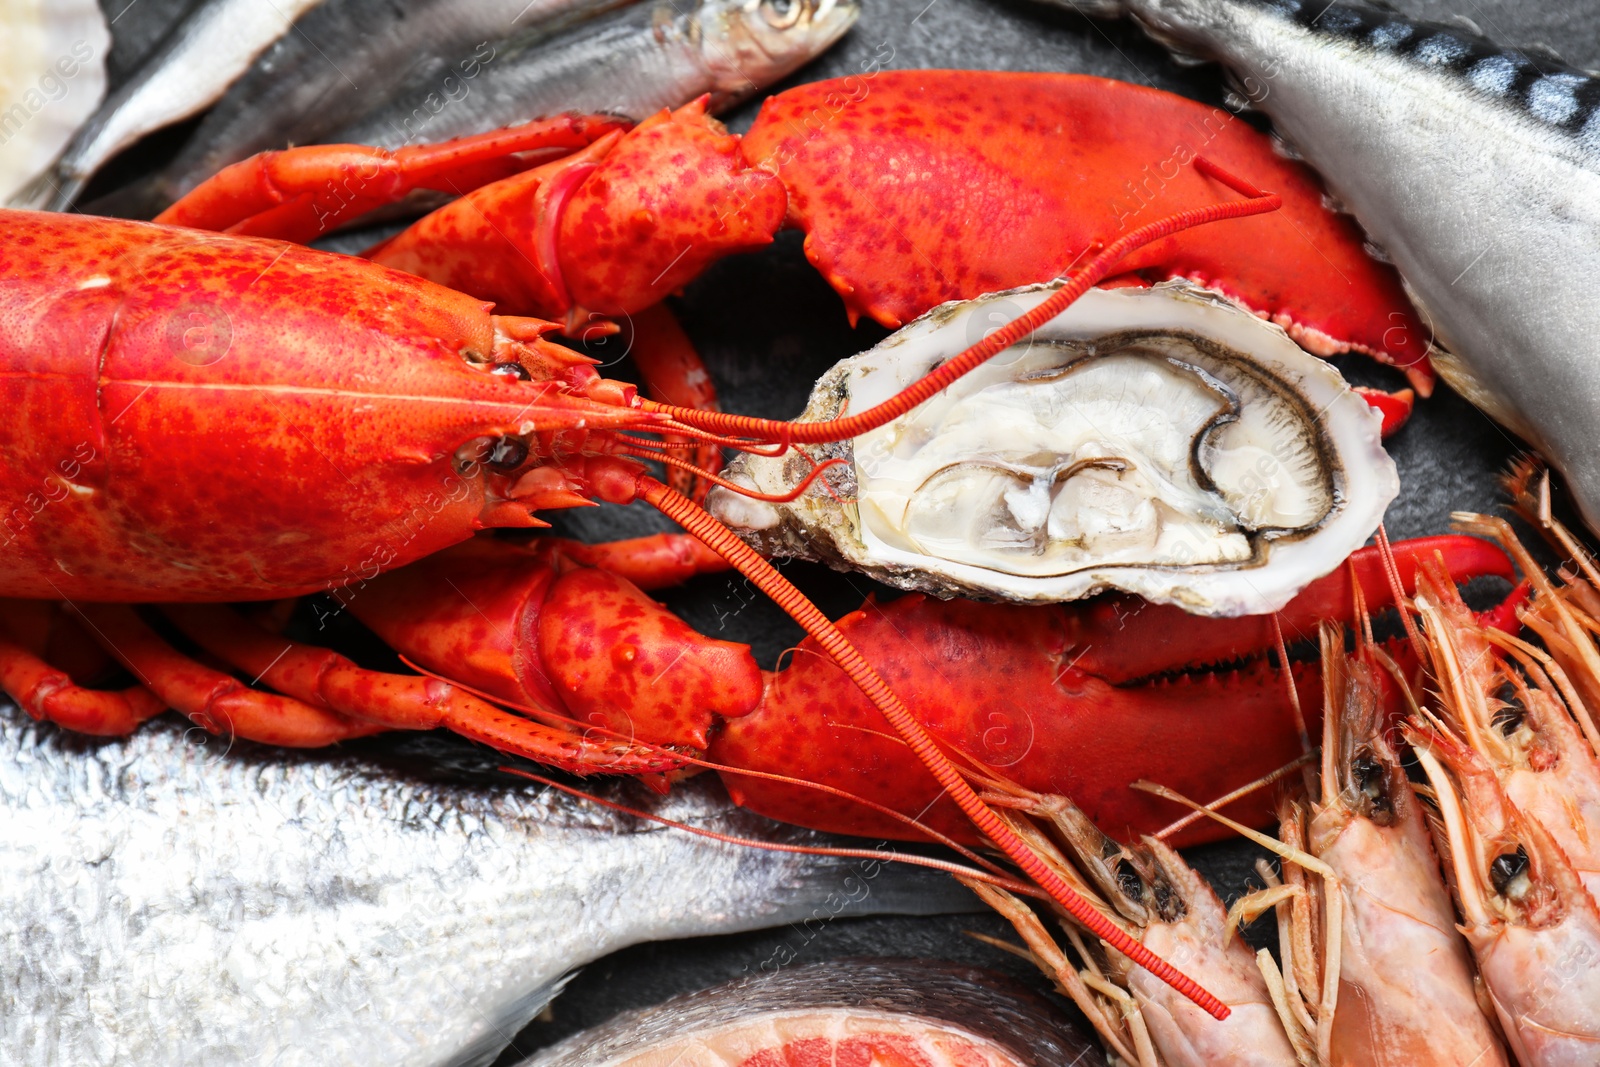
<point>1161,441</point>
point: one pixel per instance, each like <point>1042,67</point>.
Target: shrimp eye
<point>1168,904</point>
<point>1128,881</point>
<point>1509,873</point>
<point>1508,719</point>
<point>1369,779</point>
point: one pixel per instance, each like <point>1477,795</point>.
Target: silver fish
<point>193,66</point>
<point>1475,167</point>
<point>166,900</point>
<point>273,87</point>
<point>630,62</point>
<point>633,62</point>
<point>916,1011</point>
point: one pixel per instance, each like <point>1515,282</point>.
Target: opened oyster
<point>1160,441</point>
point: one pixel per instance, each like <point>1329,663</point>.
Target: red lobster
<point>214,418</point>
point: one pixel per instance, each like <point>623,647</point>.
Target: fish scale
<point>168,901</point>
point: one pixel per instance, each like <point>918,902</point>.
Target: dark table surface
<point>767,326</point>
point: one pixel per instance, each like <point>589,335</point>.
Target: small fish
<point>846,1011</point>
<point>631,62</point>
<point>52,76</point>
<point>634,63</point>
<point>1474,166</point>
<point>194,65</point>
<point>273,86</point>
<point>171,899</point>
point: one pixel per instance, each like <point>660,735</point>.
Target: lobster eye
<point>782,14</point>
<point>511,370</point>
<point>507,453</point>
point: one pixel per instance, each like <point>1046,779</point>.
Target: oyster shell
<point>52,77</point>
<point>1159,441</point>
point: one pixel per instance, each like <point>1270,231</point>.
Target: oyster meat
<point>1161,441</point>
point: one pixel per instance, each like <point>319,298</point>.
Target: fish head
<point>754,43</point>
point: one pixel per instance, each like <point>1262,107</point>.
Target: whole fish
<point>276,86</point>
<point>52,77</point>
<point>632,62</point>
<point>847,1011</point>
<point>190,69</point>
<point>1475,167</point>
<point>167,899</point>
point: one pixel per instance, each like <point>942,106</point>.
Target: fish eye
<point>782,14</point>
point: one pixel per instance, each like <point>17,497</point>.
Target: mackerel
<point>170,898</point>
<point>1474,167</point>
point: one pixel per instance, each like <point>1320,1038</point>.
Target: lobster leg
<point>652,562</point>
<point>567,642</point>
<point>300,193</point>
<point>674,374</point>
<point>49,693</point>
<point>325,679</point>
<point>215,701</point>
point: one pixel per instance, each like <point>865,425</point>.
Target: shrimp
<point>1515,705</point>
<point>1534,930</point>
<point>1165,905</point>
<point>1406,993</point>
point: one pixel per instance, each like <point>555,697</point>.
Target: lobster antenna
<point>683,759</point>
<point>765,576</point>
<point>955,870</point>
<point>1257,202</point>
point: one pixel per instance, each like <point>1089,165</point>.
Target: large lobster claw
<point>1079,700</point>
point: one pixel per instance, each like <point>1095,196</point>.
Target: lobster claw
<point>568,644</point>
<point>1079,700</point>
<point>1126,639</point>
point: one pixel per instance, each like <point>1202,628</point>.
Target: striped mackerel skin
<point>1474,166</point>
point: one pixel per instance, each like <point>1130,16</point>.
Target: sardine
<point>191,68</point>
<point>168,898</point>
<point>840,1012</point>
<point>631,62</point>
<point>52,76</point>
<point>275,86</point>
<point>1475,167</point>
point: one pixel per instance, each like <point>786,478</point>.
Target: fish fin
<point>841,886</point>
<point>508,1022</point>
